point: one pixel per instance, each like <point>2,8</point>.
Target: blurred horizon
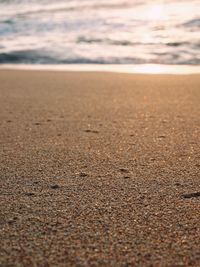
<point>106,32</point>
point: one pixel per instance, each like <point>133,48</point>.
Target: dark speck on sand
<point>55,186</point>
<point>124,170</point>
<point>161,136</point>
<point>91,131</point>
<point>83,174</point>
<point>29,194</point>
<point>192,195</point>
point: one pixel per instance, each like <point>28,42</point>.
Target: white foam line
<point>142,69</point>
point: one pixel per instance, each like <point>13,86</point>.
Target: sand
<point>99,169</point>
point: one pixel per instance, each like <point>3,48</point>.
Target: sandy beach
<point>99,169</point>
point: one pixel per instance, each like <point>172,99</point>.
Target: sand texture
<point>99,169</point>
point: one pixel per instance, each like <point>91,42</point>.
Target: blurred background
<point>100,31</point>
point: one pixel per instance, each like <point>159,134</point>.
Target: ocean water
<point>100,31</point>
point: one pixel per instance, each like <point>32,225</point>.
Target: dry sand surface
<point>99,169</point>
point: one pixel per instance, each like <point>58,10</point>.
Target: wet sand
<point>99,169</point>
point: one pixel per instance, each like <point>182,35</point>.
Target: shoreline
<point>134,69</point>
